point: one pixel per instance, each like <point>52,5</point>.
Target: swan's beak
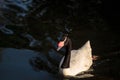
<point>60,45</point>
<point>59,48</point>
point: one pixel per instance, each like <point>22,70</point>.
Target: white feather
<point>81,60</point>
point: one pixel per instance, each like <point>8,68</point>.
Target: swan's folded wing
<point>82,56</point>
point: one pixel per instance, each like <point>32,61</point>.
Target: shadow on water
<point>29,32</point>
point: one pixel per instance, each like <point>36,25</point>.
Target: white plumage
<point>80,60</point>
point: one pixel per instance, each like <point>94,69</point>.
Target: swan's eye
<point>62,39</point>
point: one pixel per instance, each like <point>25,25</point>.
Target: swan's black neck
<point>66,61</point>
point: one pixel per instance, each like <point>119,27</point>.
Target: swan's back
<point>81,60</point>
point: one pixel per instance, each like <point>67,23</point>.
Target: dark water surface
<point>30,30</point>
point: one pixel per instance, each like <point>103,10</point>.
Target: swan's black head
<point>63,41</point>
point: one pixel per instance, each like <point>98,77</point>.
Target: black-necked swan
<point>74,61</point>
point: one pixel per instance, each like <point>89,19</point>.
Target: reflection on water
<point>14,65</point>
